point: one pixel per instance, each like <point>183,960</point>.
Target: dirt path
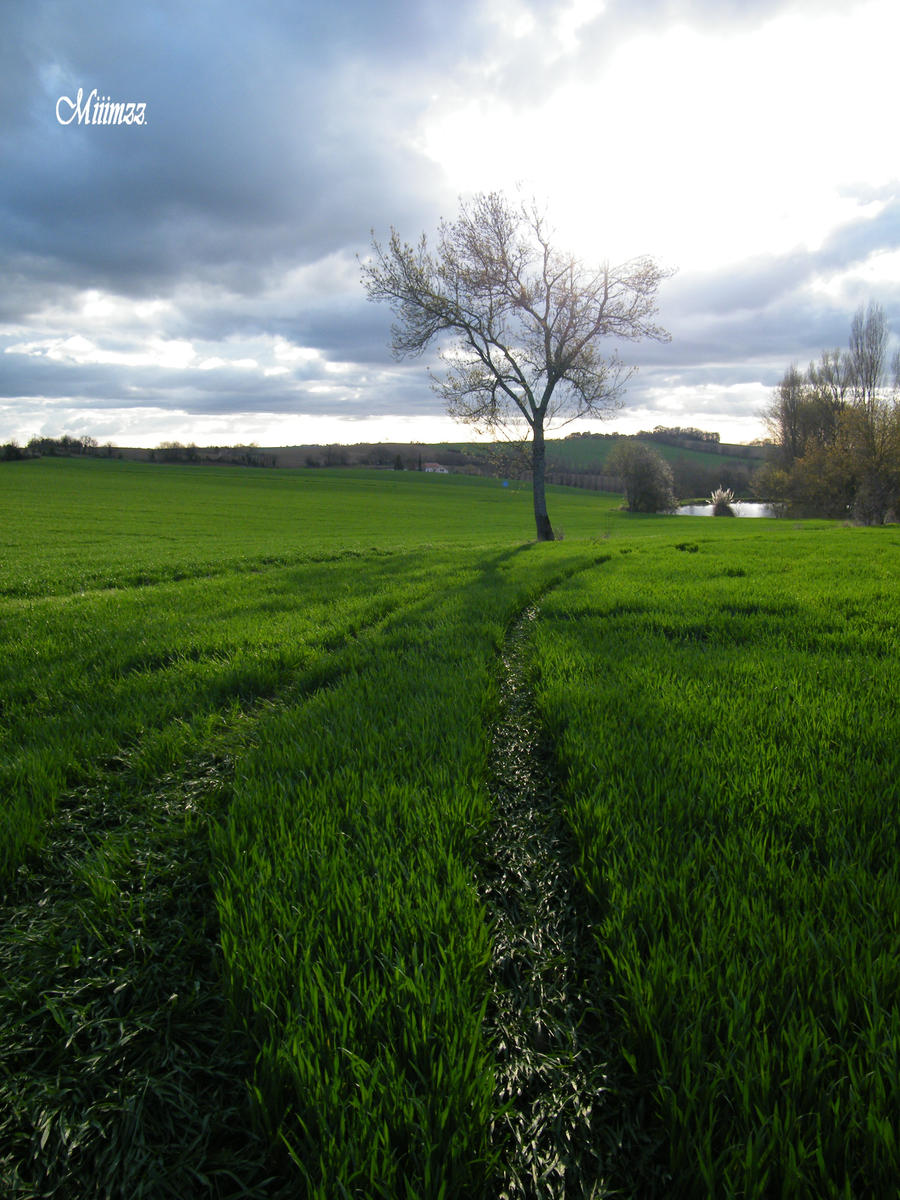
<point>557,1136</point>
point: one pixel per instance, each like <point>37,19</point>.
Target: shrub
<point>722,500</point>
<point>646,478</point>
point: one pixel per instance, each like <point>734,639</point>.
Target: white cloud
<point>571,20</point>
<point>79,349</point>
<point>850,288</point>
<point>701,147</point>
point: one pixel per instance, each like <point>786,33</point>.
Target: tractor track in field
<point>122,1073</point>
<point>556,1128</point>
<point>120,1060</point>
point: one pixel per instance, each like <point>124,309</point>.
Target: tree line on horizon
<point>63,446</point>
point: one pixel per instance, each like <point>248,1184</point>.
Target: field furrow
<point>555,1133</point>
<point>122,1073</point>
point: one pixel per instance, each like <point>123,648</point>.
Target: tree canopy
<point>519,322</point>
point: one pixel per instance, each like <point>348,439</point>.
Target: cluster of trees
<point>836,430</point>
<point>169,452</point>
<point>64,446</point>
<point>67,446</point>
<point>236,456</point>
<point>674,434</point>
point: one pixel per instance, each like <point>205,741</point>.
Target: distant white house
<point>435,469</point>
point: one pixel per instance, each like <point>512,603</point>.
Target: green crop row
<point>353,935</point>
<point>726,716</point>
<point>123,715</point>
<point>85,680</point>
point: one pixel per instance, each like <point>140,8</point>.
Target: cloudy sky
<point>196,277</point>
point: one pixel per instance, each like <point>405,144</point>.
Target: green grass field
<point>73,525</point>
<point>726,722</point>
<point>245,728</point>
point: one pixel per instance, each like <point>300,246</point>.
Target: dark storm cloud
<point>274,139</point>
<point>22,376</point>
<point>265,140</point>
<point>347,329</point>
<point>339,321</point>
<point>222,390</point>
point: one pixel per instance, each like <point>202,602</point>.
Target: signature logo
<point>100,110</point>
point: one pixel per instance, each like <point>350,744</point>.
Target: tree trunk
<point>538,456</point>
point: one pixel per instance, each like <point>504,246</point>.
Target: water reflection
<point>742,508</point>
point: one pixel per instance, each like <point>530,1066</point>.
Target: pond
<point>742,508</point>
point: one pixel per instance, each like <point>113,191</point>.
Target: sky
<point>196,276</point>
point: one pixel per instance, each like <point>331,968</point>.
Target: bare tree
<point>519,322</point>
<point>831,377</point>
<point>784,415</point>
<point>868,347</point>
<point>828,382</point>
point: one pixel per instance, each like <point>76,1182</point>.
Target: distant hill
<point>699,461</point>
<point>698,465</point>
<point>585,451</point>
